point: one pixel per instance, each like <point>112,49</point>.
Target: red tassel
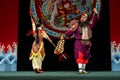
<point>29,32</point>
<point>63,56</point>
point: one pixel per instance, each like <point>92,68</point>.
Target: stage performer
<point>82,30</point>
<point>38,52</point>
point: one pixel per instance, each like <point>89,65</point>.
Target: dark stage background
<point>100,51</point>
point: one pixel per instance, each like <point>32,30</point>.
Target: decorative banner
<point>115,56</point>
<point>8,57</point>
<point>8,35</point>
<point>115,35</point>
<point>57,14</point>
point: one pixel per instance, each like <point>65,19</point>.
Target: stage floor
<point>59,75</point>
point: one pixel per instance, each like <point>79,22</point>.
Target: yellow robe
<point>40,52</point>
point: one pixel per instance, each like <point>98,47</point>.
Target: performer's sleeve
<point>94,20</point>
<point>69,33</point>
<point>33,25</point>
<point>44,34</point>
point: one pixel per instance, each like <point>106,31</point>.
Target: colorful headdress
<point>84,14</point>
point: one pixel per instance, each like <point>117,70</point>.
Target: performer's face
<point>83,18</point>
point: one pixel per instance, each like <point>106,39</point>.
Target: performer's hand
<point>95,10</point>
<point>74,27</point>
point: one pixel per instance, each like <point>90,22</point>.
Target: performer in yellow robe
<point>38,52</point>
<point>37,56</point>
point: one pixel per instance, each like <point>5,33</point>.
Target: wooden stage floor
<point>59,75</point>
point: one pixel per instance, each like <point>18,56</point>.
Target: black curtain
<point>100,50</point>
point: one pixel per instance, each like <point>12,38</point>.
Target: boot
<point>80,68</point>
<point>39,71</point>
<point>84,71</point>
